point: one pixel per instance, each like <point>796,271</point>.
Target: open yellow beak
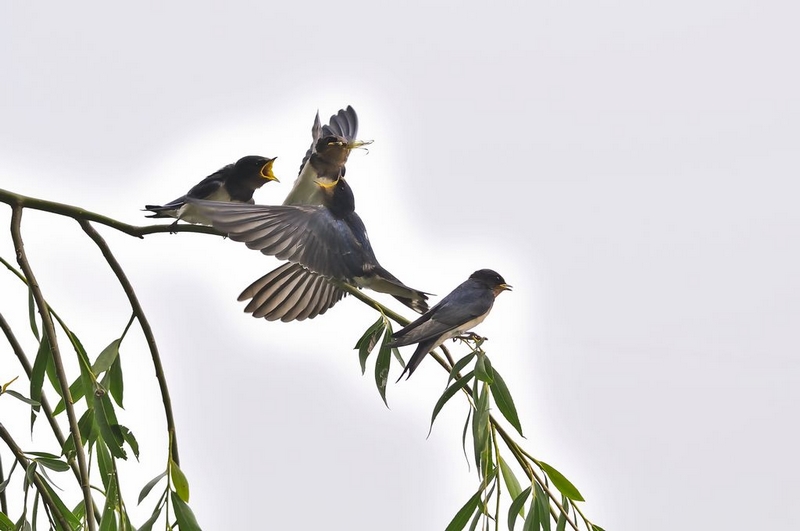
<point>327,184</point>
<point>504,287</point>
<point>266,171</point>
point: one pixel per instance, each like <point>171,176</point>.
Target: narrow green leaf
<point>71,519</point>
<point>368,341</point>
<point>29,473</point>
<point>148,525</point>
<point>533,521</point>
<point>76,391</point>
<point>106,358</point>
<point>20,397</point>
<point>184,515</point>
<point>37,375</point>
<point>150,484</point>
<point>5,523</point>
<point>53,464</point>
<point>502,397</point>
<point>448,394</point>
<point>516,507</point>
<point>475,519</point>
<point>562,484</point>
<point>544,508</point>
<point>108,521</point>
<point>597,528</point>
<point>32,314</point>
<point>483,370</point>
<point>127,435</point>
<point>512,484</point>
<point>460,364</point>
<point>105,464</point>
<point>464,437</point>
<point>480,424</point>
<point>106,421</point>
<point>561,525</point>
<point>463,515</point>
<point>382,364</point>
<point>179,481</point>
<point>116,386</point>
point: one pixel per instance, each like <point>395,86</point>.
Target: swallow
<point>461,310</point>
<point>324,244</point>
<point>234,182</point>
<point>325,159</point>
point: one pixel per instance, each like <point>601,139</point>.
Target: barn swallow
<point>328,241</point>
<point>325,159</point>
<point>234,182</point>
<point>461,310</point>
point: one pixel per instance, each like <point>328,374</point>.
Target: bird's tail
<point>290,292</point>
<point>159,211</point>
<point>385,282</point>
<point>422,349</point>
<point>343,124</point>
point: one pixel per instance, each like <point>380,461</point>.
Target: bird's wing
<point>315,136</point>
<point>290,292</point>
<point>461,306</point>
<point>343,124</point>
<point>210,184</point>
<point>305,234</point>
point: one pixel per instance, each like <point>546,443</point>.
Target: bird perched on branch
<point>327,240</point>
<point>234,182</point>
<point>461,310</point>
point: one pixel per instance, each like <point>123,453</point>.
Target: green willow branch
<point>48,411</point>
<point>47,323</point>
<point>145,324</point>
<point>37,480</point>
<point>23,201</point>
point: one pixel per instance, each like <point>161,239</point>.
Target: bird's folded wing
<point>304,234</point>
<point>290,292</point>
<point>453,311</point>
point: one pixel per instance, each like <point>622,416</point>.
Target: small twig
<point>19,200</point>
<point>148,332</point>
<point>37,480</point>
<point>47,323</point>
<point>3,503</point>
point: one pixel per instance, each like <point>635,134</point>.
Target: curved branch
<point>37,480</point>
<point>148,332</point>
<point>23,201</point>
<point>47,323</point>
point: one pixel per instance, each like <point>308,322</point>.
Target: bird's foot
<point>173,227</point>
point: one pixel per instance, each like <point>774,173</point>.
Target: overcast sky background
<point>630,168</point>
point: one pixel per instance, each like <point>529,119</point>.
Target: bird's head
<point>337,196</point>
<point>333,150</point>
<point>255,170</point>
<point>492,280</point>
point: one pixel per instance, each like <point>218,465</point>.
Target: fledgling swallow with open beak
<point>325,159</point>
<point>234,183</point>
<point>321,242</point>
<point>461,310</point>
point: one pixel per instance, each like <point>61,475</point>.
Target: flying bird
<point>325,159</point>
<point>461,310</point>
<point>234,182</point>
<point>323,243</point>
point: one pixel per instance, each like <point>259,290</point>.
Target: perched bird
<point>461,310</point>
<point>234,182</point>
<point>325,159</point>
<point>323,243</point>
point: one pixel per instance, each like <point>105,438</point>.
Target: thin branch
<point>37,480</point>
<point>3,502</point>
<point>148,332</point>
<point>47,323</point>
<point>48,411</point>
<point>19,200</point>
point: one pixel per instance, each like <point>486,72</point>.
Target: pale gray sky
<point>631,168</point>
